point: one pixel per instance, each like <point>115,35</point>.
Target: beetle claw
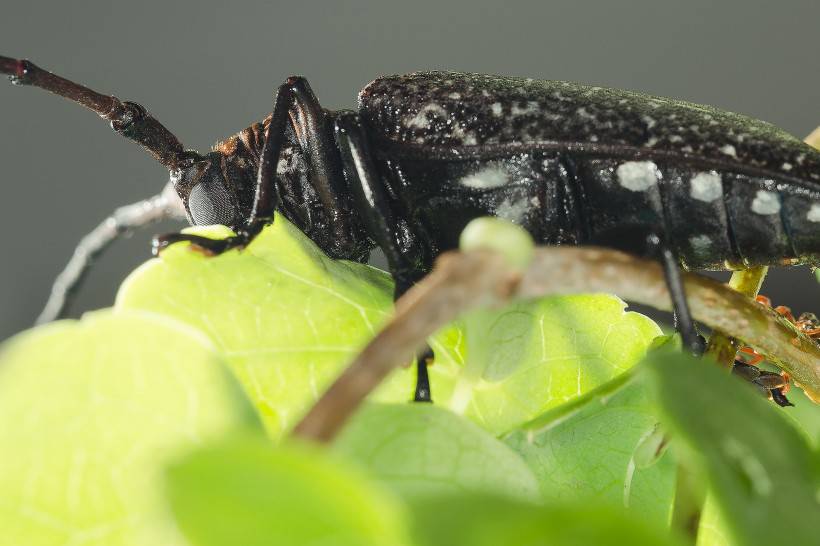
<point>773,386</point>
<point>200,244</point>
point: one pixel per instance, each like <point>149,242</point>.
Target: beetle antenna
<point>165,205</point>
<point>127,118</point>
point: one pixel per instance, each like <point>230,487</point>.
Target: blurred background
<point>210,69</point>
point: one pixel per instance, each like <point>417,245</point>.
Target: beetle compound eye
<point>210,203</point>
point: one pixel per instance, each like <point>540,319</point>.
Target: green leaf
<point>421,449</point>
<point>288,319</point>
<point>712,528</point>
<point>806,414</point>
<point>605,447</point>
<point>90,412</point>
<point>471,520</point>
<point>245,492</point>
<point>764,478</point>
<point>533,356</point>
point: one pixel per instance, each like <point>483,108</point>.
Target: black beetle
<point>427,152</point>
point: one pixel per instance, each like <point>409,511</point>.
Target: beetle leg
<point>266,198</point>
<point>370,199</point>
<point>746,371</point>
<point>775,385</point>
<point>424,359</point>
<point>684,322</point>
<point>779,397</point>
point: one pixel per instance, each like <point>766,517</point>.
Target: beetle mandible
<point>690,185</point>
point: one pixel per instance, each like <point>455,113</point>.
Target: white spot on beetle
<point>786,166</point>
<point>514,211</point>
<point>651,142</point>
<point>814,213</point>
<point>584,113</point>
<point>706,186</point>
<point>800,158</point>
<point>675,138</point>
<point>637,175</point>
<point>455,95</point>
<point>496,109</point>
<point>467,137</point>
<point>701,244</point>
<point>489,177</point>
<point>421,121</point>
<point>729,150</point>
<point>688,149</point>
<point>649,120</point>
<point>766,202</point>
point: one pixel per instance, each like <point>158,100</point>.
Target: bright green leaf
<point>605,447</point>
<point>245,492</point>
<point>806,414</point>
<point>288,319</point>
<point>90,412</point>
<point>470,520</point>
<point>421,449</point>
<point>533,356</point>
<point>712,528</point>
<point>285,316</point>
<point>764,477</point>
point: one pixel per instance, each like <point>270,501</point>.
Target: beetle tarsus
<point>770,384</point>
<point>780,398</point>
<point>422,394</point>
<point>204,245</point>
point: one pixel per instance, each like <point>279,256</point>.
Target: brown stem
<point>464,281</point>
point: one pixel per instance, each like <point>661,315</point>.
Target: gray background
<point>208,69</point>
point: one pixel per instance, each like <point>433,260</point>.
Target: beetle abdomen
<point>437,112</point>
<point>728,190</point>
<point>712,219</point>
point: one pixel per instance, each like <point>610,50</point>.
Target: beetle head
<point>214,189</point>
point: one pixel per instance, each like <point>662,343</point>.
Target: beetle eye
<point>210,203</point>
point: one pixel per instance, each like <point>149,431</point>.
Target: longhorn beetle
<point>424,153</point>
